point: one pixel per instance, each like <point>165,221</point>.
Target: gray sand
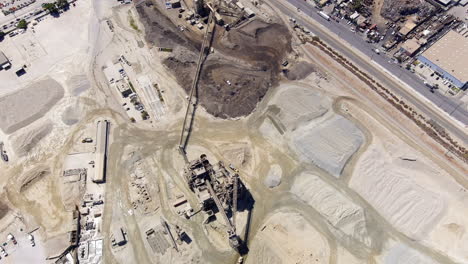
<point>78,84</point>
<point>273,178</point>
<point>24,142</point>
<point>328,144</point>
<point>23,107</point>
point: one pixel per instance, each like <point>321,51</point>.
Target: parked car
<point>31,239</point>
<point>2,250</point>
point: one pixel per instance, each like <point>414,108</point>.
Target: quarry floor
<point>333,180</point>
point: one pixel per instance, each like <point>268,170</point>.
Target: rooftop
<point>409,25</point>
<point>112,71</point>
<point>444,2</point>
<point>411,45</point>
<point>3,58</point>
<point>451,54</point>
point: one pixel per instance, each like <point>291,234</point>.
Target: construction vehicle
<point>87,140</point>
<point>3,153</point>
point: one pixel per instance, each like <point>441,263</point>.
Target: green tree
<point>51,7</point>
<point>144,115</point>
<point>62,4</point>
<point>22,24</point>
<point>2,34</point>
<point>356,5</point>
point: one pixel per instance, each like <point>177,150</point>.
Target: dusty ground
<point>29,104</point>
<point>299,70</point>
<point>325,170</point>
<point>301,243</point>
<point>377,14</point>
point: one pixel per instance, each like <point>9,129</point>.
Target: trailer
<point>322,14</point>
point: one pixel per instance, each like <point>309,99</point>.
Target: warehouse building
<point>448,58</point>
<point>101,151</point>
<point>119,237</point>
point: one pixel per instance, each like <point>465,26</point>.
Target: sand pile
<point>273,177</point>
<point>28,178</point>
<point>271,131</point>
<point>391,190</point>
<point>334,206</point>
<point>287,237</point>
<point>23,107</point>
<point>78,84</point>
<point>298,105</point>
<point>414,194</point>
<point>25,140</point>
<point>245,64</point>
<point>72,114</point>
<point>329,144</point>
<point>403,254</point>
<point>237,154</point>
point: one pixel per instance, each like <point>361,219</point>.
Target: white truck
<point>322,14</point>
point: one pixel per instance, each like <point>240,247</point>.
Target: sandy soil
<point>30,177</point>
<point>415,195</point>
<point>273,177</point>
<point>298,105</point>
<point>29,104</point>
<point>25,141</point>
<point>300,242</point>
<point>329,144</point>
<point>300,136</point>
<point>409,206</point>
<point>403,254</point>
<point>338,209</point>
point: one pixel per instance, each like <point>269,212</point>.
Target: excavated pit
<point>245,63</point>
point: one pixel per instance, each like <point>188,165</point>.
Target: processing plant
<point>218,189</point>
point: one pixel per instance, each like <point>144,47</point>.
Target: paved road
<point>453,107</point>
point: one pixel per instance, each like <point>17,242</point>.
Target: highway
<point>452,106</point>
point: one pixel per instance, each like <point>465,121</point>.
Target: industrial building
<point>119,237</point>
<point>217,189</point>
<point>101,151</point>
<point>4,62</point>
<point>113,72</point>
<point>448,57</point>
<point>123,88</point>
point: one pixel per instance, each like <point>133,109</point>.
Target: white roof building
<point>101,151</point>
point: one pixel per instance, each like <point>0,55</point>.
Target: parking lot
<point>18,244</point>
<point>11,6</point>
<point>433,79</point>
<point>23,9</point>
